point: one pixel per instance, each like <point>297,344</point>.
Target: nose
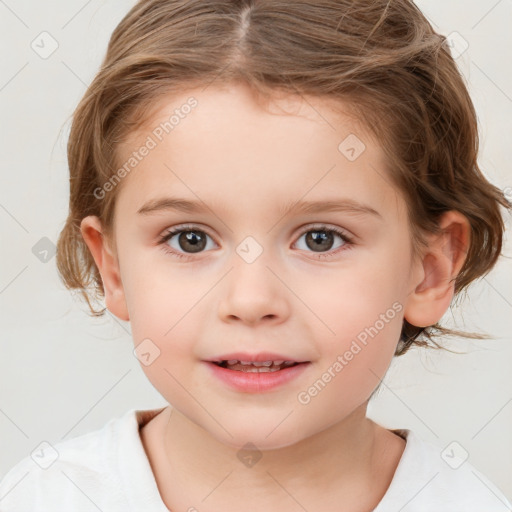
<point>252,293</point>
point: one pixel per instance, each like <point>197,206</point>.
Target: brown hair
<point>382,58</point>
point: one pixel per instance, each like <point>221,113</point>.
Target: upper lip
<point>259,357</point>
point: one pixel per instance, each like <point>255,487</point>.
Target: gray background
<point>63,373</point>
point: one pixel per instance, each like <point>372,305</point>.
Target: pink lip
<point>259,357</point>
<point>256,382</point>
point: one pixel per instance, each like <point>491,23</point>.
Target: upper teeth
<point>257,363</point>
<point>255,366</point>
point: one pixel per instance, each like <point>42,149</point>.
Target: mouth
<point>256,373</point>
<point>255,366</point>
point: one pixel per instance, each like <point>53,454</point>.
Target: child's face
<point>248,168</point>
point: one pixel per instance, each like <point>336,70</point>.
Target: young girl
<point>220,146</point>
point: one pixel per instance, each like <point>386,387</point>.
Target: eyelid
<point>326,226</point>
<point>299,232</point>
<point>186,227</point>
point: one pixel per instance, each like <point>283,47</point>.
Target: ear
<point>107,264</point>
<point>434,281</point>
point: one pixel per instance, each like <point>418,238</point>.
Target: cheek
<point>353,365</point>
<point>163,327</point>
<point>166,323</point>
<point>360,296</point>
<point>158,299</point>
<point>365,312</point>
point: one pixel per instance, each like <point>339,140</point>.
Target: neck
<point>335,466</point>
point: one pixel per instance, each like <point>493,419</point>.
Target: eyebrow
<point>187,206</point>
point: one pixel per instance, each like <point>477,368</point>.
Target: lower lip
<point>257,382</point>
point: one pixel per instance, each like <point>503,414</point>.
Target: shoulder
<point>431,477</point>
<point>74,473</point>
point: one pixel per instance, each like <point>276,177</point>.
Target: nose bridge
<point>252,291</point>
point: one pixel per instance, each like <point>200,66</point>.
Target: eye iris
<point>197,242</point>
<point>318,239</point>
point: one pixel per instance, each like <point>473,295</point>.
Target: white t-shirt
<point>107,470</point>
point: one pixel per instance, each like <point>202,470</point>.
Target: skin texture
<point>247,163</point>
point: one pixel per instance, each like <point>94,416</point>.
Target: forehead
<point>231,144</point>
<point>236,104</point>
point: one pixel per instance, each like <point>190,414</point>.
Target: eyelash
<point>173,231</point>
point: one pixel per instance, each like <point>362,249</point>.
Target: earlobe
<point>431,294</point>
<point>107,264</point>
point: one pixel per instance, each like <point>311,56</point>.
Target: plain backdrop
<point>63,373</point>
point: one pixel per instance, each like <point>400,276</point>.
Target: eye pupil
<point>319,239</point>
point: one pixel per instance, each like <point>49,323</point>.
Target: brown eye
<point>323,240</point>
<point>192,241</point>
<point>319,240</point>
<point>186,241</point>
